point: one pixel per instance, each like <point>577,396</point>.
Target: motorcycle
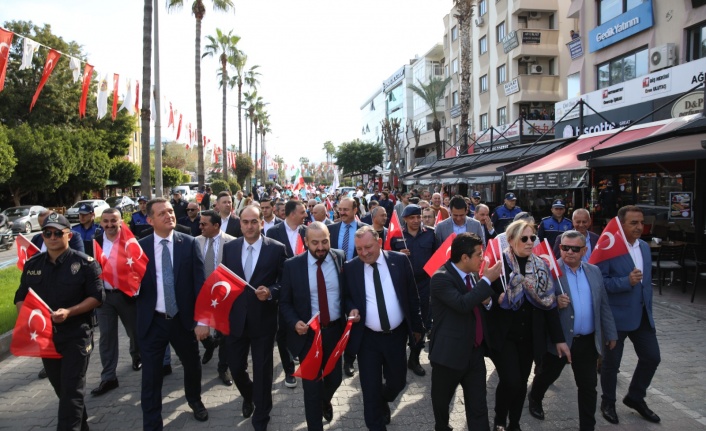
<point>7,237</point>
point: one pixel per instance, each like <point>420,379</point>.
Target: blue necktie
<point>248,264</point>
<point>170,303</point>
<point>345,242</point>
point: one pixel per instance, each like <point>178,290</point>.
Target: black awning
<point>667,150</point>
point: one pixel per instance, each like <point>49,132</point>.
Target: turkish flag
<point>87,75</point>
<point>131,262</point>
<point>310,367</point>
<point>116,82</point>
<point>49,65</point>
<point>33,334</point>
<point>439,217</point>
<point>137,97</point>
<point>216,298</point>
<point>340,348</point>
<point>544,251</point>
<point>610,244</point>
<point>5,44</point>
<point>442,254</point>
<point>171,116</point>
<point>491,255</point>
<point>394,231</point>
<point>25,250</point>
<point>300,246</point>
<point>107,273</point>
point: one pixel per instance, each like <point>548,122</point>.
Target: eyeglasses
<point>56,233</point>
<point>531,238</point>
<point>574,248</point>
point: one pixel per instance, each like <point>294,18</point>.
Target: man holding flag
<point>312,283</point>
<point>625,262</point>
<point>81,291</point>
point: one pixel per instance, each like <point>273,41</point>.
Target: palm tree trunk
<point>255,161</point>
<point>145,177</point>
<point>465,11</point>
<point>250,153</point>
<point>436,125</point>
<point>158,186</point>
<point>240,117</point>
<point>199,123</point>
<point>225,147</point>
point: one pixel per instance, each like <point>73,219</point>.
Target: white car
<point>98,206</point>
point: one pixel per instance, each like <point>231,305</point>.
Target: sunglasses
<point>531,238</point>
<point>56,233</point>
<point>574,248</point>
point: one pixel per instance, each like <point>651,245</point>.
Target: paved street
<point>678,393</point>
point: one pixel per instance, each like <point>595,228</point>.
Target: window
<point>696,42</point>
<point>482,7</point>
<point>484,83</point>
<point>483,122</point>
<point>609,9</point>
<point>502,116</point>
<point>454,33</point>
<point>502,74</point>
<point>621,69</point>
<point>446,70</point>
<point>454,65</point>
<point>454,98</point>
<point>500,32</point>
<point>483,45</point>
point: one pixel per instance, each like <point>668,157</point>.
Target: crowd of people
<point>323,256</point>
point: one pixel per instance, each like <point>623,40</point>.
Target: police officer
<point>178,204</point>
<point>86,227</point>
<point>505,213</point>
<point>475,201</point>
<point>138,222</point>
<point>556,224</point>
<point>69,282</point>
<point>419,244</point>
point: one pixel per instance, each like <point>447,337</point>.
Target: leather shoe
<point>226,378</point>
<point>641,407</point>
<point>248,408</point>
<point>608,411</point>
<point>166,370</point>
<point>200,412</point>
<point>42,373</point>
<point>416,368</point>
<point>105,386</point>
<point>327,411</point>
<point>386,413</point>
<point>136,364</point>
<point>535,408</point>
<point>208,354</point>
<point>348,369</point>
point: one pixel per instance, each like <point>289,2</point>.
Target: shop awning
<point>486,174</point>
<point>668,150</point>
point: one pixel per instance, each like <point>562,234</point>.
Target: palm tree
<point>249,78</point>
<point>464,16</point>
<point>145,176</point>
<point>264,128</point>
<point>225,44</point>
<point>432,93</point>
<point>199,10</point>
<point>330,149</point>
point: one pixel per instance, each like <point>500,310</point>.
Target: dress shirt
<point>160,307</point>
<point>581,300</point>
<point>587,255</point>
<point>458,230</point>
<point>636,254</point>
<point>267,225</point>
<point>216,241</point>
<point>332,288</point>
<point>351,239</point>
<point>224,224</point>
<point>107,248</point>
<point>292,236</point>
<point>394,309</point>
<point>256,247</point>
<point>463,274</point>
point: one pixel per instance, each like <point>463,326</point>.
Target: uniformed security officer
<point>475,201</point>
<point>556,224</point>
<point>419,244</point>
<point>138,222</point>
<point>178,204</point>
<point>86,227</point>
<point>505,213</point>
<point>69,282</point>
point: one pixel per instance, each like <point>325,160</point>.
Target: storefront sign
<point>680,205</point>
<point>548,180</point>
<point>512,87</point>
<point>510,42</point>
<point>389,82</point>
<point>689,104</point>
<point>612,96</point>
<point>658,83</point>
<point>621,27</point>
<point>531,37</point>
<point>575,48</point>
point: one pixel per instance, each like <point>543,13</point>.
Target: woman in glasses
<point>519,319</point>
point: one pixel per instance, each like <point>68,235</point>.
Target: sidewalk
<point>677,394</point>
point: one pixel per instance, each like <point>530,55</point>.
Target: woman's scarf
<point>536,285</point>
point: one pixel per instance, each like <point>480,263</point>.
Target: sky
<point>320,60</point>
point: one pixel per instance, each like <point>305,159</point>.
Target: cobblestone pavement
<point>677,394</point>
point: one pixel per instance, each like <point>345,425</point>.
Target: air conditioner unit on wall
<point>534,15</point>
<point>663,56</point>
<point>480,21</point>
<point>536,69</point>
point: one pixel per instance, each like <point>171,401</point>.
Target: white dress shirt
<point>224,224</point>
<point>160,307</point>
<point>267,225</point>
<point>292,235</point>
<point>394,309</point>
<point>332,289</point>
<point>256,246</point>
<point>636,254</point>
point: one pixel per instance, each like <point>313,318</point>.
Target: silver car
<point>24,218</point>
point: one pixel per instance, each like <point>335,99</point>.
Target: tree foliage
<point>125,173</point>
<point>358,157</point>
<point>218,186</point>
<point>7,156</point>
<point>171,177</point>
<point>432,93</point>
<point>244,167</point>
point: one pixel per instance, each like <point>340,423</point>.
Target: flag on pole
<point>298,180</point>
<point>33,334</point>
<point>87,75</point>
<point>611,243</point>
<point>75,67</point>
<point>338,351</point>
<point>216,298</point>
<point>102,99</point>
<point>5,45</point>
<point>544,251</point>
<point>171,116</point>
<point>394,231</point>
<point>29,47</point>
<point>49,65</point>
<point>137,97</point>
<point>25,250</point>
<point>179,128</point>
<point>310,366</point>
<point>116,83</point>
<point>440,256</point>
<point>128,101</point>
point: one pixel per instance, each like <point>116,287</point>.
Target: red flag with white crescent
<point>131,262</point>
<point>116,82</point>
<point>491,255</point>
<point>33,334</point>
<point>611,243</point>
<point>5,44</point>
<point>107,271</point>
<point>440,256</point>
<point>393,231</point>
<point>300,246</point>
<point>49,65</point>
<point>25,250</point>
<point>85,86</point>
<point>216,298</point>
<point>310,366</point>
<point>439,217</point>
<point>338,351</point>
<point>544,251</point>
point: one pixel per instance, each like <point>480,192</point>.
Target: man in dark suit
<point>482,215</point>
<point>268,216</point>
<point>380,341</point>
<point>587,322</point>
<point>320,267</point>
<point>165,311</point>
<point>581,219</point>
<point>230,224</point>
<point>253,317</point>
<point>368,218</point>
<point>628,281</point>
<point>458,345</point>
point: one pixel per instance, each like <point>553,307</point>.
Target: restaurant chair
<point>670,258</point>
<point>695,260</point>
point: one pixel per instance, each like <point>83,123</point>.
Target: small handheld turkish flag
<point>300,246</point>
<point>131,263</point>
<point>25,250</point>
<point>547,254</point>
<point>340,348</point>
<point>394,231</point>
<point>216,298</point>
<point>442,254</point>
<point>107,273</point>
<point>310,366</point>
<point>33,334</point>
<point>610,244</point>
<point>439,217</point>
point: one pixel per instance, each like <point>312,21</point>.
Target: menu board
<point>680,205</point>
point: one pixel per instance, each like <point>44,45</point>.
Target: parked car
<point>122,203</point>
<point>186,193</point>
<point>98,206</point>
<point>24,218</point>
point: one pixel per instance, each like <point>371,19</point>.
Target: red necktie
<point>323,299</point>
<point>476,312</point>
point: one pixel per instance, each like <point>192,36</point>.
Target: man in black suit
<point>165,311</point>
<point>268,216</point>
<point>253,317</point>
<point>298,305</point>
<point>230,224</point>
<point>380,341</point>
<point>458,345</point>
<point>482,214</point>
